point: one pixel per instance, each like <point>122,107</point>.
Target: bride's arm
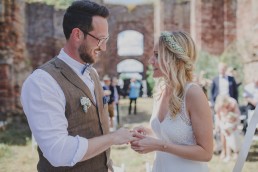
<point>201,119</point>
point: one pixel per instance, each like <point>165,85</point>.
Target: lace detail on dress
<point>183,114</point>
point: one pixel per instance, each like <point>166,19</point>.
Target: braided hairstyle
<point>177,54</point>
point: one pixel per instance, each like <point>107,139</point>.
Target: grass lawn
<point>17,154</point>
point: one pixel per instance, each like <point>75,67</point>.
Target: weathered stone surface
<point>247,36</point>
<point>139,19</point>
<point>12,54</point>
<point>31,34</point>
<point>176,15</point>
<point>213,24</point>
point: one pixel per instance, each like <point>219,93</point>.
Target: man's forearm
<point>98,145</point>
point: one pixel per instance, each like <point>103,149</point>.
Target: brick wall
<point>213,24</point>
<point>26,44</point>
<point>247,37</point>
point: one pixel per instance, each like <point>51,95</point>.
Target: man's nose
<point>103,47</point>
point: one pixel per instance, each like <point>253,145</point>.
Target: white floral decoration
<point>85,102</point>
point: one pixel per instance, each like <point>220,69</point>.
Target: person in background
<point>181,127</point>
<point>111,97</point>
<point>251,94</point>
<point>223,85</point>
<point>134,92</point>
<point>63,98</point>
<point>232,71</point>
<point>228,114</point>
<point>202,81</point>
<point>117,93</point>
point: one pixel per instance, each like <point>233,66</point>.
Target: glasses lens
<point>103,40</point>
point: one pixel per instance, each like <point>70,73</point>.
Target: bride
<point>181,122</point>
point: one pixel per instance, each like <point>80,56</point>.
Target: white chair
<point>148,167</point>
<point>119,169</point>
<point>252,124</point>
<point>34,144</point>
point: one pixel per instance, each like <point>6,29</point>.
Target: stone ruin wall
<point>213,24</point>
<point>176,15</point>
<point>14,67</point>
<point>139,19</point>
<point>25,44</point>
<point>247,37</point>
<point>44,33</point>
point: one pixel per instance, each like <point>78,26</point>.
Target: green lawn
<point>17,154</point>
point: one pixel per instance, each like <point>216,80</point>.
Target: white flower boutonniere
<point>85,102</point>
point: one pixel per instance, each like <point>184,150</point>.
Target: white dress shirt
<point>223,85</point>
<point>44,102</point>
<point>251,91</point>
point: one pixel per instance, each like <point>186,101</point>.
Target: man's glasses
<point>100,40</point>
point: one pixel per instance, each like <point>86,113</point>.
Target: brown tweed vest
<point>88,124</point>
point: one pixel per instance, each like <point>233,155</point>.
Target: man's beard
<point>84,55</point>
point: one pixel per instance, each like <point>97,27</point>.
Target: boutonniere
<point>85,102</point>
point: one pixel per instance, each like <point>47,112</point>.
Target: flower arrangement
<point>85,102</point>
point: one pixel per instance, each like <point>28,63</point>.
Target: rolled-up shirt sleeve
<point>43,103</point>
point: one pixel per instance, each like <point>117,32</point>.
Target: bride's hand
<point>140,129</point>
<point>144,144</point>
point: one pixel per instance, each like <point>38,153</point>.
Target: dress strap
<point>184,114</point>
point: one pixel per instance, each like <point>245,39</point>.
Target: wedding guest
<point>228,119</point>
<point>63,98</point>
<point>181,122</point>
<point>134,92</point>
<point>251,94</point>
<point>117,93</point>
<point>223,84</point>
<point>111,97</point>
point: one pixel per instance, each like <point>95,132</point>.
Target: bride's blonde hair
<point>176,57</point>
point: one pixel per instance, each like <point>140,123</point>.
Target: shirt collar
<point>77,67</point>
<point>225,76</point>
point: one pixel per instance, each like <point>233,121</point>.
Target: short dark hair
<point>79,15</point>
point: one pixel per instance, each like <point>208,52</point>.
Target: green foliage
<point>207,63</point>
<point>58,4</point>
<point>16,133</point>
<point>4,150</point>
<point>233,59</point>
<point>150,81</point>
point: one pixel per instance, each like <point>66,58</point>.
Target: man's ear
<point>77,34</point>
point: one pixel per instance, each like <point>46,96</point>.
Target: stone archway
<point>130,43</point>
<point>131,67</point>
<point>128,69</point>
<point>140,20</point>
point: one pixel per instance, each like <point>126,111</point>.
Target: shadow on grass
<point>144,110</point>
<point>15,133</point>
<point>138,118</point>
<point>253,153</point>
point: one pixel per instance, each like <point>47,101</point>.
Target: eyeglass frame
<point>100,40</point>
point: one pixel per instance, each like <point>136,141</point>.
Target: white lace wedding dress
<point>176,130</point>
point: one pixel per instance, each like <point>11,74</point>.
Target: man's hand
<point>122,136</point>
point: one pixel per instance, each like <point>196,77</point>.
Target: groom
<point>63,99</point>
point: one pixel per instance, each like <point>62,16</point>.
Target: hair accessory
<point>170,40</point>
